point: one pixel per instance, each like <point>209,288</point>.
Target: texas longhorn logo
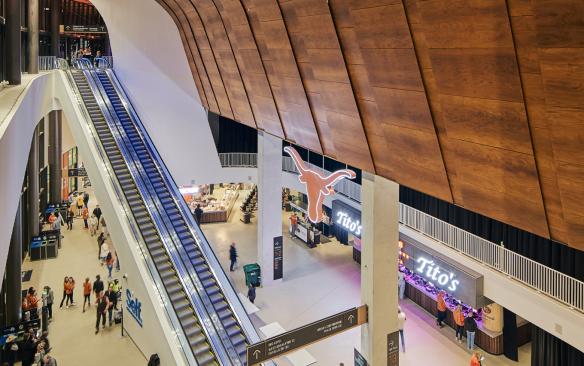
<point>317,186</point>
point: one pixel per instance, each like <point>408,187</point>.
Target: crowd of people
<point>33,350</point>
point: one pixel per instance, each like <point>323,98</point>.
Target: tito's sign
<point>317,186</point>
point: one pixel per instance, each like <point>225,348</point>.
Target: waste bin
<point>253,274</point>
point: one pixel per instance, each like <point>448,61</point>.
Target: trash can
<point>253,274</point>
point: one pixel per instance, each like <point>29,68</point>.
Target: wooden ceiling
<point>476,102</point>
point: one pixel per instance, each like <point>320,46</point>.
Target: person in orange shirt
<point>69,287</point>
<point>293,224</point>
<point>459,321</point>
<point>441,308</point>
<point>475,359</point>
<point>32,302</point>
<point>86,293</point>
<point>65,284</point>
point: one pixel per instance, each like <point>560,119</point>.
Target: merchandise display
<point>216,206</point>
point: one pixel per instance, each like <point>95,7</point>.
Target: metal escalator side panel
<point>207,251</point>
<point>91,99</point>
<point>153,205</point>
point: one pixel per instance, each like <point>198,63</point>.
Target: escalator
<point>210,314</point>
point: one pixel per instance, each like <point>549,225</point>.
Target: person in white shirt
<point>401,321</point>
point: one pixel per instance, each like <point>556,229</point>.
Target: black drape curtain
<point>547,350</point>
<point>510,340</point>
<point>545,251</point>
<point>232,137</point>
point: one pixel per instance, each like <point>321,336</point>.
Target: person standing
<point>441,308</point>
<point>232,256</point>
<point>70,217</point>
<point>86,293</point>
<point>58,221</point>
<point>401,321</point>
<point>97,213</point>
<point>48,299</point>
<point>32,301</point>
<point>198,214</point>
<point>65,281</point>
<point>111,297</point>
<point>475,359</point>
<point>28,350</point>
<point>69,292</point>
<point>85,216</point>
<point>109,263</point>
<point>401,283</point>
<point>251,293</point>
<point>97,285</point>
<point>470,325</point>
<point>49,360</point>
<point>459,322</point>
<point>79,204</point>
<point>86,199</point>
<point>102,303</point>
<point>93,225</point>
<point>103,252</point>
<point>103,226</point>
<point>10,350</point>
<point>293,224</point>
<point>100,241</point>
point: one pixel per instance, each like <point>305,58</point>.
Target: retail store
<point>428,272</point>
<point>215,200</point>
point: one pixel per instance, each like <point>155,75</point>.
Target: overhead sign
<point>346,218</point>
<point>303,336</point>
<point>134,306</point>
<point>317,185</point>
<point>278,258</point>
<point>359,359</point>
<point>77,172</point>
<point>431,270</point>
<point>84,29</point>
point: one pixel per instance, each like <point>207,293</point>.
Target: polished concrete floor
<point>323,281</point>
<point>71,332</point>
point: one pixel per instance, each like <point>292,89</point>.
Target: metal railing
<point>47,63</point>
<point>238,160</point>
<point>548,281</point>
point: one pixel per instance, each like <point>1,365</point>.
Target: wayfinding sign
<point>393,349</point>
<point>303,336</point>
<point>359,359</point>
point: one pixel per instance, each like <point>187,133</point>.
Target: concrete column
<point>33,36</point>
<point>55,156</point>
<point>269,201</point>
<point>13,272</point>
<point>33,187</point>
<point>13,46</point>
<point>379,256</point>
<point>55,27</point>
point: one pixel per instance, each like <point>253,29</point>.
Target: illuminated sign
<point>317,186</point>
<point>351,225</point>
<point>432,272</point>
<point>134,306</point>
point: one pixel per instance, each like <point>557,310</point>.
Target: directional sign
<point>360,359</point>
<point>393,349</point>
<point>303,336</point>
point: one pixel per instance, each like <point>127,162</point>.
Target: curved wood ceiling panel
<point>479,102</point>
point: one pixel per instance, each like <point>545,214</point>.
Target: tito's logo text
<point>433,272</point>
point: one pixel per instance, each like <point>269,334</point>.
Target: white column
<point>269,201</point>
<point>379,252</point>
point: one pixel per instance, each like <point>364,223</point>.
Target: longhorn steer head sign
<point>317,186</point>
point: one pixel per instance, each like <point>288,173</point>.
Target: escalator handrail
<point>164,299</point>
<point>209,254</point>
<point>193,286</point>
<point>98,63</point>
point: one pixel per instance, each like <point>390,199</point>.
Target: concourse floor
<point>71,332</point>
<point>325,280</point>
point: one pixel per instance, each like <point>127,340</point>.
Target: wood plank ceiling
<point>476,102</point>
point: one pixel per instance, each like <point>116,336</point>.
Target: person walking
<point>111,296</point>
<point>27,350</point>
<point>401,284</point>
<point>459,322</point>
<point>86,293</point>
<point>69,292</point>
<point>100,241</point>
<point>401,321</point>
<point>102,303</point>
<point>109,263</point>
<point>476,359</point>
<point>251,293</point>
<point>93,225</point>
<point>79,204</point>
<point>117,289</point>
<point>70,217</point>
<point>198,214</point>
<point>48,299</point>
<point>97,213</point>
<point>103,252</point>
<point>85,216</point>
<point>441,309</point>
<point>232,256</point>
<point>58,221</point>
<point>65,281</point>
<point>103,226</point>
<point>97,285</point>
<point>470,325</point>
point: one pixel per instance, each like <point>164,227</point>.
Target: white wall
<point>150,61</point>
